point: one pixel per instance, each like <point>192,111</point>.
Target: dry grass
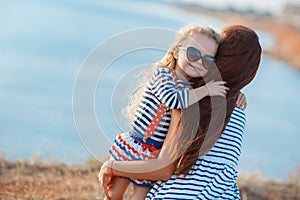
<point>24,180</point>
<point>254,187</point>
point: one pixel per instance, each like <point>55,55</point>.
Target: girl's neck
<point>181,75</point>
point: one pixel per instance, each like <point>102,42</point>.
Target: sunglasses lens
<point>193,54</point>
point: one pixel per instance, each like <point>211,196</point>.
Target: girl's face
<point>207,47</point>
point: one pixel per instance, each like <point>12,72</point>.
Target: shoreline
<point>286,46</point>
<point>39,180</point>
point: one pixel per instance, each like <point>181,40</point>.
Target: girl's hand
<point>104,177</point>
<point>216,88</point>
<point>241,101</point>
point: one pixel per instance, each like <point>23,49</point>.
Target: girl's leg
<point>118,188</point>
<point>139,192</point>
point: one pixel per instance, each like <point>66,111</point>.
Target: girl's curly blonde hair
<point>168,61</point>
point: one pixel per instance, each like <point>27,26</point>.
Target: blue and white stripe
<point>161,89</point>
<point>213,176</point>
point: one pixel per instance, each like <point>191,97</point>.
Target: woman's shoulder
<point>239,113</point>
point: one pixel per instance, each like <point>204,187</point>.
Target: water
<point>43,45</point>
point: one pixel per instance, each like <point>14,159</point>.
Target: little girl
<point>191,56</point>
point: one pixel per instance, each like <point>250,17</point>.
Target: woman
<point>167,89</point>
<point>207,168</point>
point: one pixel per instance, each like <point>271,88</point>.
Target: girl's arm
<point>164,89</point>
<point>160,168</point>
<point>241,101</point>
<point>211,88</point>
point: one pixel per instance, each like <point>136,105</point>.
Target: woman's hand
<point>241,101</point>
<point>105,177</point>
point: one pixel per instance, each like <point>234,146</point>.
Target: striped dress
<point>163,88</point>
<point>213,176</point>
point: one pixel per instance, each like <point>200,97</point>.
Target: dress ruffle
<point>125,147</point>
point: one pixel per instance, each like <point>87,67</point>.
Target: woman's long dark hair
<point>237,62</point>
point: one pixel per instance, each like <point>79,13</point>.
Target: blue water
<point>44,44</point>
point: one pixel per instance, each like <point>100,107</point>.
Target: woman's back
<point>213,175</point>
<point>228,147</point>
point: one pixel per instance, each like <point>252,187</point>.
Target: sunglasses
<point>194,55</point>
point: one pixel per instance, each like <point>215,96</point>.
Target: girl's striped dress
<point>213,176</point>
<point>163,88</point>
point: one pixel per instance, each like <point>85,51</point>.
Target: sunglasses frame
<point>199,56</point>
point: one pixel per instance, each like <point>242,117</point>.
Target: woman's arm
<point>154,169</point>
<point>160,168</point>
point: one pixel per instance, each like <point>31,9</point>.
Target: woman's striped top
<point>213,176</point>
<point>228,147</point>
<point>160,90</point>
